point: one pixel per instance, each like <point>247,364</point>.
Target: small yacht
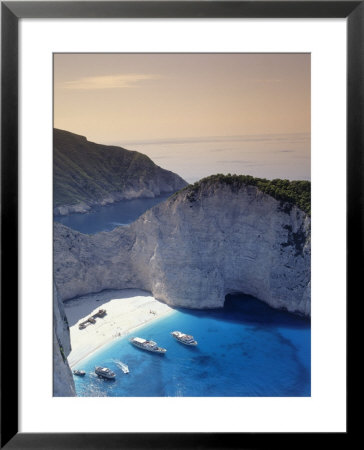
<point>186,339</point>
<point>150,346</point>
<point>104,372</point>
<point>79,373</point>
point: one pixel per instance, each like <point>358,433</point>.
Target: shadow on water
<point>147,352</point>
<point>107,380</point>
<point>193,349</point>
<point>242,308</point>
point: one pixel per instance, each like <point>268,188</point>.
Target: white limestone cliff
<point>193,249</point>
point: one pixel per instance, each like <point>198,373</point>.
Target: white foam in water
<point>118,224</point>
<point>122,366</point>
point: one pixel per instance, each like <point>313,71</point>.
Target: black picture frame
<point>11,13</point>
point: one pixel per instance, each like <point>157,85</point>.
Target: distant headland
<point>87,174</point>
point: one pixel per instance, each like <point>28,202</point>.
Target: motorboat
<point>145,344</point>
<point>186,339</point>
<point>79,373</point>
<point>104,372</point>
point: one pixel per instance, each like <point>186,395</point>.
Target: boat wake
<point>122,366</point>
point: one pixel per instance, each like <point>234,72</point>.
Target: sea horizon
<point>275,155</point>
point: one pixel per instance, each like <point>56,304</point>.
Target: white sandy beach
<point>126,310</point>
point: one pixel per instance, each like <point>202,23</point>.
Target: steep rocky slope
<point>88,174</point>
<point>63,384</point>
<point>191,250</point>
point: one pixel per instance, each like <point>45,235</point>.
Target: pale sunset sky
<point>218,112</point>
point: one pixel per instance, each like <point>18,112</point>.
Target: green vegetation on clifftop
<point>290,192</point>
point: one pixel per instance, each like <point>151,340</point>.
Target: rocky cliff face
<point>195,248</point>
<point>63,384</point>
<point>88,174</point>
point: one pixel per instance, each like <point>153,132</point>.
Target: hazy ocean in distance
<point>264,155</point>
<point>106,218</point>
<point>245,349</point>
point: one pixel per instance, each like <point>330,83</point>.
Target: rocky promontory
<point>221,235</point>
<point>87,174</point>
<point>63,384</point>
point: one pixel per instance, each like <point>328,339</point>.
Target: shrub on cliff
<point>292,192</point>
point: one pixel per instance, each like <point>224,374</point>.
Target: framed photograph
<point>163,164</point>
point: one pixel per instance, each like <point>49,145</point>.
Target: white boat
<point>124,367</point>
<point>145,344</point>
<point>79,373</point>
<point>186,339</point>
<point>104,372</point>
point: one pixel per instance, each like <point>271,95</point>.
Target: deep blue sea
<point>246,349</point>
<point>106,218</point>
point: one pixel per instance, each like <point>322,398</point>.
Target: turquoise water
<point>106,218</point>
<point>246,349</point>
